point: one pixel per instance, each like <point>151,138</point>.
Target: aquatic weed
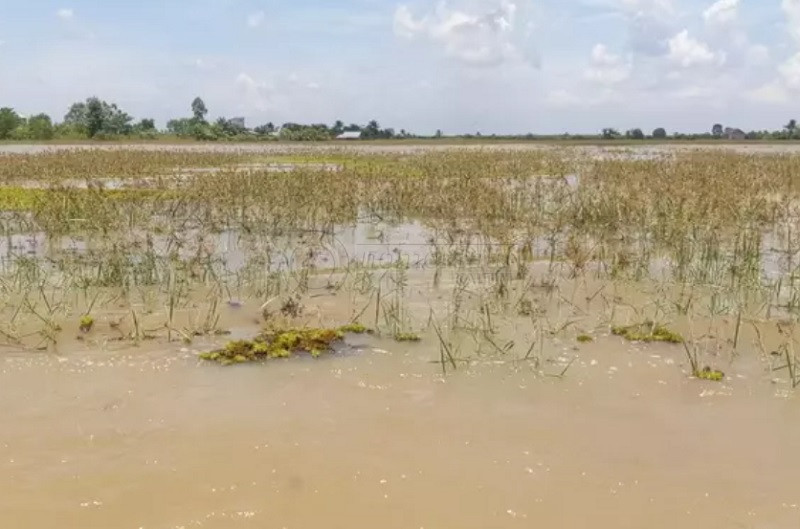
<point>647,332</point>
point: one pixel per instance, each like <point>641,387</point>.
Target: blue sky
<point>505,66</point>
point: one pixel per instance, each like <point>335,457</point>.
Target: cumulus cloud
<point>607,68</point>
<point>791,9</point>
<point>65,14</point>
<point>773,92</point>
<point>722,12</point>
<point>484,37</point>
<point>790,72</point>
<point>687,51</point>
<point>255,20</point>
<point>257,95</point>
<point>786,81</point>
<point>650,23</point>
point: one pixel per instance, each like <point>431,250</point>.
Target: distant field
<point>388,146</point>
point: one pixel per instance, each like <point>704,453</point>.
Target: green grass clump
<point>407,337</point>
<point>86,323</point>
<point>710,374</point>
<point>647,332</point>
<point>275,343</point>
<point>354,328</point>
<point>585,338</point>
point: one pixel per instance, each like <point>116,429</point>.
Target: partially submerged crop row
<point>706,236</point>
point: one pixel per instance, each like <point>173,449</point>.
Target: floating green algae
<point>647,332</point>
<point>275,343</point>
<point>710,374</point>
<point>86,323</point>
<point>407,337</point>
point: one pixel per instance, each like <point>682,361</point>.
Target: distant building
<point>237,122</point>
<point>349,135</point>
<point>735,134</point>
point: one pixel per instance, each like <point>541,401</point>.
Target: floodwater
<point>101,436</point>
<point>607,435</point>
<point>378,438</point>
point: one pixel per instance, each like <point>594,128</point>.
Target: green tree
<point>40,127</point>
<point>635,134</point>
<point>610,134</point>
<point>264,130</point>
<point>371,131</point>
<point>115,121</point>
<point>95,116</point>
<point>790,128</point>
<point>199,110</point>
<point>76,114</point>
<point>717,130</point>
<point>9,120</point>
<point>659,133</point>
<point>181,126</point>
<point>146,125</point>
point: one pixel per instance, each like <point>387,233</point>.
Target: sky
<point>462,66</point>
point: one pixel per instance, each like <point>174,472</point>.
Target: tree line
<point>98,119</point>
<point>790,131</point>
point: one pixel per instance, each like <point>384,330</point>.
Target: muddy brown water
<point>152,438</point>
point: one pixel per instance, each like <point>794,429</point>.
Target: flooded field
<point>518,338</point>
<point>156,440</point>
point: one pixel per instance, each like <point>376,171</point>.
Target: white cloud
<point>790,72</point>
<point>562,98</point>
<point>784,86</point>
<point>791,9</point>
<point>773,92</point>
<point>757,54</point>
<point>255,20</point>
<point>687,52</point>
<point>722,12</point>
<point>404,23</point>
<point>647,5</point>
<point>65,14</point>
<point>487,37</point>
<point>693,92</point>
<point>256,94</point>
<point>607,68</point>
<point>650,24</point>
<point>206,63</point>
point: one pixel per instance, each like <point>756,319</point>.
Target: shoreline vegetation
<point>96,120</point>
